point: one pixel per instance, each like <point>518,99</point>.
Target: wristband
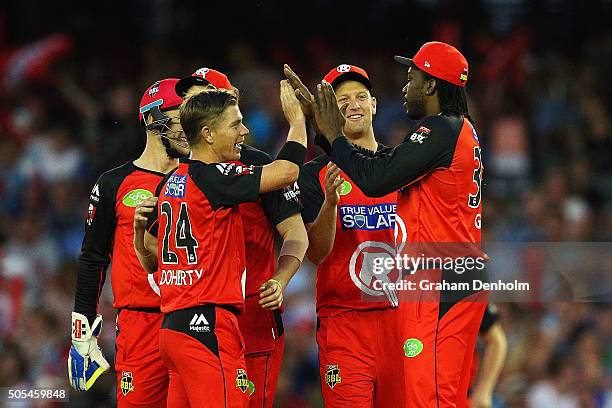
<point>277,282</point>
<point>293,152</point>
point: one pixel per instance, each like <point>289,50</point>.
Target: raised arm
<point>384,173</point>
<point>285,170</point>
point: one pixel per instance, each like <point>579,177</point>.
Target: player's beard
<point>415,107</point>
<point>174,154</point>
<point>171,151</point>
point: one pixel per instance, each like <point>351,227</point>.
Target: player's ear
<point>373,105</point>
<point>207,134</point>
<point>430,86</point>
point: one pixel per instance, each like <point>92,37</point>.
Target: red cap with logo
<point>347,72</point>
<point>203,76</point>
<point>161,94</point>
<point>440,60</point>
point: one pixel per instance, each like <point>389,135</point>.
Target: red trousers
<point>142,377</point>
<point>439,331</point>
<point>204,352</point>
<point>360,359</point>
<point>262,331</point>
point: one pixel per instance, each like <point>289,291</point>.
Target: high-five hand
<point>328,116</point>
<point>291,105</point>
<point>301,91</point>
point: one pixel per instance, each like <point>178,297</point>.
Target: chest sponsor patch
<point>367,217</point>
<point>175,187</point>
<point>135,197</point>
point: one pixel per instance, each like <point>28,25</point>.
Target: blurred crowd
<point>540,92</point>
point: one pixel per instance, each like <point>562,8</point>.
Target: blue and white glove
<point>85,360</point>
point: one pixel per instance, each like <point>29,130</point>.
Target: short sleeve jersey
<point>346,279</point>
<point>201,254</point>
<point>259,220</point>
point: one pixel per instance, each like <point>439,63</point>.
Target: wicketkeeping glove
<point>85,360</point>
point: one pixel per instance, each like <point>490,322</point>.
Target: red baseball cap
<point>347,72</point>
<point>440,60</point>
<point>161,94</point>
<point>203,76</point>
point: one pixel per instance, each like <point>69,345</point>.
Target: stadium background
<point>72,74</point>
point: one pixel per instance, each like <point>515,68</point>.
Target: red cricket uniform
<point>438,169</point>
<point>142,378</point>
<point>262,329</point>
<point>353,314</point>
<point>202,263</point>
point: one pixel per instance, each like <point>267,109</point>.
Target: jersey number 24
<point>183,238</point>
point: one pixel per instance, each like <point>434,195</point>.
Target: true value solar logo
<point>367,217</point>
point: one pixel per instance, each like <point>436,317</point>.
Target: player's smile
<point>354,117</point>
<point>238,146</point>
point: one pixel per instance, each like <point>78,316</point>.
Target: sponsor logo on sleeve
<point>95,194</point>
<point>233,169</point>
<point>91,213</point>
<point>292,193</point>
<point>421,134</point>
<point>175,187</point>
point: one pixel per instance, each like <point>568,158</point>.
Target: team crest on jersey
<point>242,382</point>
<point>127,382</point>
<point>420,135</point>
<point>366,266</point>
<point>175,187</point>
<point>91,213</point>
<point>332,376</point>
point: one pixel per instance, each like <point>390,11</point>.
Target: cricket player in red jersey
<point>142,378</point>
<point>346,231</point>
<point>261,323</point>
<point>201,247</point>
<point>438,171</point>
